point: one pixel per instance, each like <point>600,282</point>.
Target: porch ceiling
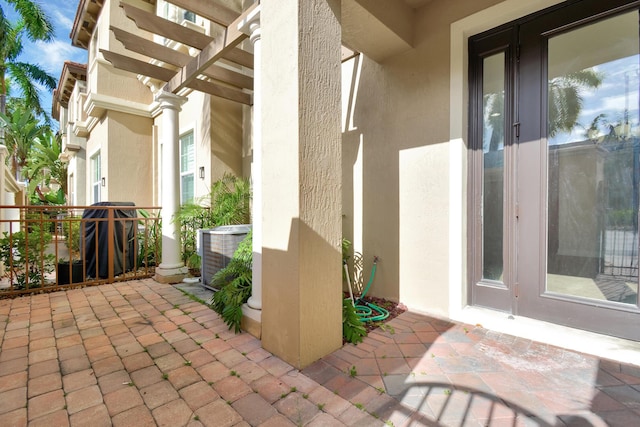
<point>204,72</point>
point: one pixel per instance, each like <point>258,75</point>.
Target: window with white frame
<point>96,178</point>
<point>187,168</point>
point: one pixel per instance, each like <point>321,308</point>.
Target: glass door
<point>554,176</point>
<point>579,168</point>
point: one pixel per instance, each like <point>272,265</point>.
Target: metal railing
<point>48,248</point>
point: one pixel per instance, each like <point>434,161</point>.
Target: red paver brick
<point>121,400</point>
<point>96,341</point>
<point>95,416</point>
<point>300,381</point>
<point>137,361</point>
<point>41,333</point>
<point>216,346</point>
<point>114,381</point>
<point>45,404</point>
<point>84,398</point>
<point>140,416</point>
<point>232,388</point>
<point>42,355</point>
<point>199,394</point>
<point>100,353</point>
<point>158,394</point>
<point>107,366</point>
<point>129,349</point>
<point>160,349</point>
<point>75,364</point>
<point>58,418</point>
<point>69,341</point>
<point>218,414</point>
<point>279,421</point>
<point>249,371</point>
<point>169,362</point>
<point>185,346</point>
<point>78,380</point>
<point>231,358</point>
<point>13,399</point>
<point>44,384</point>
<point>44,368</point>
<point>213,372</point>
<point>183,377</point>
<point>199,358</point>
<point>150,339</point>
<point>171,414</point>
<point>275,366</point>
<point>41,343</point>
<point>9,382</point>
<point>331,402</point>
<point>14,353</point>
<point>297,409</point>
<point>17,418</point>
<point>254,409</point>
<point>174,336</point>
<point>71,352</point>
<point>270,388</point>
<point>22,341</point>
<point>146,376</point>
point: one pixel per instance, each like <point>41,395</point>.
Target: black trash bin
<point>94,239</point>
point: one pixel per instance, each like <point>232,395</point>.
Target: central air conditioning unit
<point>217,246</point>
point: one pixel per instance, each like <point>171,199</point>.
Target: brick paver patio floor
<point>141,353</point>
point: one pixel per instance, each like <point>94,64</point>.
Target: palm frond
<point>37,24</point>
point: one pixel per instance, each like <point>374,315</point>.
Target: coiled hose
<point>366,311</point>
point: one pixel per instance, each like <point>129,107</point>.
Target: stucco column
<point>172,269</point>
<point>302,201</point>
<point>251,26</point>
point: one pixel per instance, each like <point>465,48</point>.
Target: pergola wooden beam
<point>150,22</point>
<point>210,54</point>
<point>208,9</point>
<point>220,91</point>
<point>154,24</point>
<point>149,48</point>
<point>138,67</point>
<point>167,55</point>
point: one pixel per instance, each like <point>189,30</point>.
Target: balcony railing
<point>48,248</point>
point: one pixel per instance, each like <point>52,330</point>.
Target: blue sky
<point>51,56</point>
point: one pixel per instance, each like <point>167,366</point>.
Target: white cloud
<point>50,56</point>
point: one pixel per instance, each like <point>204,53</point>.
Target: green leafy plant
<point>23,255</point>
<point>353,330</point>
<point>150,240</point>
<point>234,282</point>
<point>228,203</point>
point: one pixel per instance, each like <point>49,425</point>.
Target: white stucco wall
<point>404,155</point>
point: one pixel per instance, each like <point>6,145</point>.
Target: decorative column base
<point>171,275</point>
<point>251,321</point>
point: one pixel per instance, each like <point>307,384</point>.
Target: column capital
<point>168,100</point>
<point>251,25</point>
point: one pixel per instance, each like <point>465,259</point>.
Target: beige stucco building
<point>401,147</point>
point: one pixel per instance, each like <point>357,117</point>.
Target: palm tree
<point>33,23</point>
<point>43,163</point>
<point>21,130</point>
<point>565,98</point>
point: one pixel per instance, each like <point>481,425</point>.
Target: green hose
<point>367,311</point>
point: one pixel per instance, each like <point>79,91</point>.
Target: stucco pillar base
<point>251,321</point>
<point>171,275</point>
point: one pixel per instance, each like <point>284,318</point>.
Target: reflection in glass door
<point>593,164</point>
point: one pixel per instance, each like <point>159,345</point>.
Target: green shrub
<point>353,330</point>
<point>23,255</point>
<point>234,284</point>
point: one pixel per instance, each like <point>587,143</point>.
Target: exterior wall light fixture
<point>104,181</point>
<point>201,171</point>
